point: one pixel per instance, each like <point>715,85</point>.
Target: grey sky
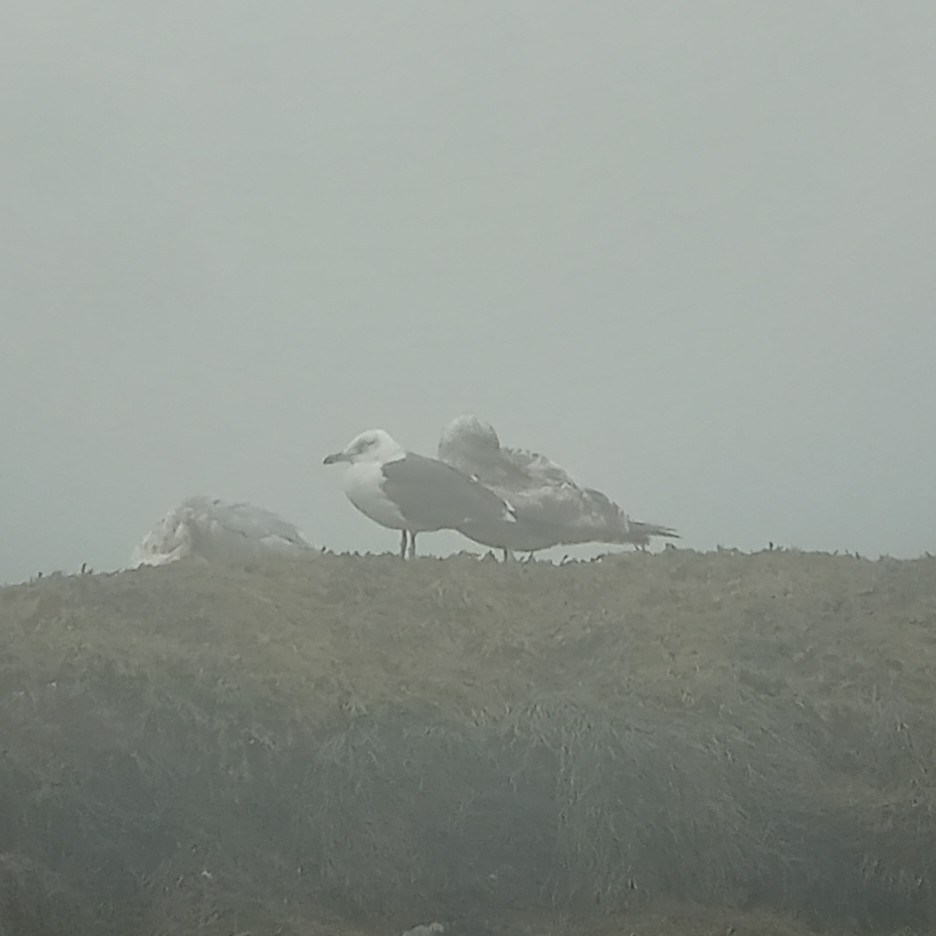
<point>685,249</point>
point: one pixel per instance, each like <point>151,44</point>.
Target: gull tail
<point>640,533</point>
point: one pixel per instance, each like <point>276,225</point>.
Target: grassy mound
<point>274,747</point>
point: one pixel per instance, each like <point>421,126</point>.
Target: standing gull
<point>541,491</point>
<point>210,528</point>
<point>414,494</point>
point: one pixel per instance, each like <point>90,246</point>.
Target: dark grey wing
<point>486,464</point>
<point>435,496</point>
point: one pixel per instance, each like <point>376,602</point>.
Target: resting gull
<point>210,528</point>
<point>404,491</point>
<point>541,491</point>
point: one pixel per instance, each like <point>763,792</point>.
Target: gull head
<point>468,432</point>
<point>373,446</point>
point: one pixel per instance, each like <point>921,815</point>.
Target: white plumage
<point>404,491</point>
<point>210,528</point>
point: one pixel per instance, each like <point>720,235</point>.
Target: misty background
<point>686,250</point>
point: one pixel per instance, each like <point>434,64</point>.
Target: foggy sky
<point>688,250</point>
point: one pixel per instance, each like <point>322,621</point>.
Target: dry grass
<point>248,749</point>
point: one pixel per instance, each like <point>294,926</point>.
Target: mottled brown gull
<point>562,511</point>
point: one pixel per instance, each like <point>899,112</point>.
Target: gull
<point>210,528</point>
<point>543,493</point>
<point>426,929</point>
<point>404,491</point>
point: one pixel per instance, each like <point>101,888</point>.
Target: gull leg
<point>412,545</point>
<point>403,545</point>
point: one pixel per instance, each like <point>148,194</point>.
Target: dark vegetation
<point>675,743</point>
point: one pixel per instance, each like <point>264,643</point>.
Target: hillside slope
<point>279,746</point>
